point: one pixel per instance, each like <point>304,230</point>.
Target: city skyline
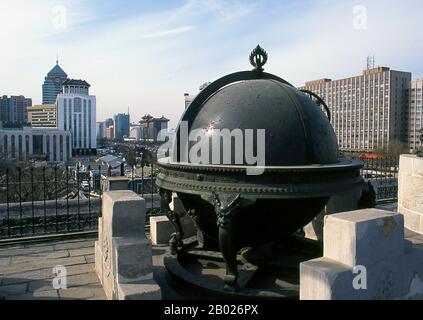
<point>145,55</point>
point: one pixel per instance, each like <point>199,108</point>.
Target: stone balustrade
<point>365,258</point>
<point>123,254</point>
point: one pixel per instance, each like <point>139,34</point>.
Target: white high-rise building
<point>369,111</point>
<point>416,114</point>
<point>76,112</point>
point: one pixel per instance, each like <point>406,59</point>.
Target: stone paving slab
<point>74,245</point>
<point>82,252</point>
<point>13,289</point>
<point>82,293</point>
<point>38,295</point>
<point>26,271</point>
<point>44,255</point>
<point>41,263</point>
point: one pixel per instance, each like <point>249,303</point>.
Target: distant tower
<point>53,83</point>
<point>370,62</point>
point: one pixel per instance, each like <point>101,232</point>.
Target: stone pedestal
<point>410,192</point>
<point>365,257</point>
<point>161,228</point>
<point>123,256</point>
<point>116,183</point>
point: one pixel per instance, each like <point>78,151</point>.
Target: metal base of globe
<point>270,272</point>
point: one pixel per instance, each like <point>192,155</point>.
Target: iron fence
<point>60,199</point>
<point>381,172</point>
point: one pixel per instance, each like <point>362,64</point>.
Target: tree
<point>396,148</point>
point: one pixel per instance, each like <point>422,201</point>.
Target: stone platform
<point>26,271</point>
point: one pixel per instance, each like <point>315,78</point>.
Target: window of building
<point>54,148</point>
<point>89,124</point>
<point>37,144</point>
<point>77,105</point>
<point>68,147</point>
<point>65,108</point>
<point>48,146</point>
<point>79,131</point>
<point>13,145</point>
<point>61,147</point>
<point>20,145</point>
<point>5,144</point>
<point>85,124</point>
<point>27,145</point>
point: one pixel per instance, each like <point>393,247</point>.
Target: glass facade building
<point>121,123</point>
<point>53,84</point>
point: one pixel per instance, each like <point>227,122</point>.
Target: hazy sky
<point>145,54</point>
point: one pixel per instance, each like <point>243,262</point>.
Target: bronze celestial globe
<point>236,203</point>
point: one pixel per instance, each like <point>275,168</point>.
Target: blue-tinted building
<point>121,122</point>
<point>53,84</point>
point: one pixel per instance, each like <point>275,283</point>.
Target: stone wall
<point>410,192</point>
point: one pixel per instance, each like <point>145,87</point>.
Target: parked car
<point>85,186</point>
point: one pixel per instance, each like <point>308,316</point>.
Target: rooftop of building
<point>57,71</point>
<point>370,71</point>
<point>30,129</point>
<point>76,82</point>
<point>149,118</point>
<point>41,107</point>
<point>111,160</point>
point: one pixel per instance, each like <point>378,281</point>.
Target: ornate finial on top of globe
<point>258,58</point>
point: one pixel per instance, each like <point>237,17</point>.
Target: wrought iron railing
<point>382,174</point>
<point>59,199</point>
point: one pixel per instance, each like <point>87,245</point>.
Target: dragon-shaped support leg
<point>175,242</point>
<point>225,211</point>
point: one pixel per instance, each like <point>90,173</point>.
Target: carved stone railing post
<point>123,254</point>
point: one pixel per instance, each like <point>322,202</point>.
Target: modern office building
<point>101,130</point>
<point>13,109</point>
<point>110,133</point>
<point>76,112</point>
<point>102,127</point>
<point>370,111</point>
<point>43,116</point>
<point>50,144</point>
<point>121,125</point>
<point>53,84</point>
<point>150,127</point>
<point>108,122</point>
<point>415,121</point>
